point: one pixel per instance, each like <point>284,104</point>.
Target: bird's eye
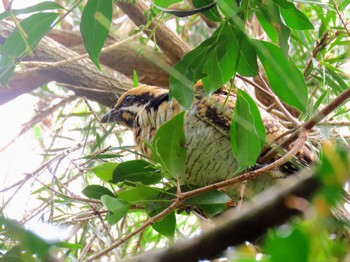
<point>128,100</point>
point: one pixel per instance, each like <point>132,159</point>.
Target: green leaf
<point>296,19</point>
<point>17,254</point>
<point>136,79</point>
<point>247,64</point>
<point>15,47</point>
<point>293,17</point>
<point>139,194</point>
<point>288,246</point>
<point>167,225</point>
<point>36,27</point>
<point>136,171</point>
<point>105,171</point>
<point>44,6</point>
<point>96,191</point>
<point>212,14</point>
<point>280,68</point>
<point>27,239</point>
<point>95,23</point>
<point>169,143</point>
<point>69,245</point>
<point>215,61</point>
<point>212,203</point>
<point>268,14</point>
<point>166,3</point>
<point>118,207</point>
<point>247,133</point>
<point>186,73</point>
<point>7,67</point>
<point>333,172</point>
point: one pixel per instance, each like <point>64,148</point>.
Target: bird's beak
<point>111,116</point>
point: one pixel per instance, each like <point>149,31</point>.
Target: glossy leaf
<point>269,16</point>
<point>186,73</point>
<point>293,17</point>
<point>139,194</point>
<point>215,61</point>
<point>166,3</point>
<point>7,67</point>
<point>167,225</point>
<point>36,27</point>
<point>288,246</point>
<point>333,172</point>
<point>169,144</point>
<point>69,245</point>
<point>95,23</point>
<point>118,207</point>
<point>97,191</point>
<point>15,47</point>
<point>212,14</point>
<point>105,171</point>
<point>247,132</point>
<point>44,6</point>
<point>136,171</point>
<point>212,203</point>
<point>284,77</point>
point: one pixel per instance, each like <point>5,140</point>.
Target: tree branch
<point>182,196</point>
<point>80,73</point>
<point>313,121</point>
<point>267,210</point>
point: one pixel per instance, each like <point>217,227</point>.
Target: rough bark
<point>81,76</point>
<point>124,59</point>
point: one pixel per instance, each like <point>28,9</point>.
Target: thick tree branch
<point>124,59</point>
<point>268,209</point>
<point>22,84</point>
<point>80,73</point>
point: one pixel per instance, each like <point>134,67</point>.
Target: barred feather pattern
<point>209,156</point>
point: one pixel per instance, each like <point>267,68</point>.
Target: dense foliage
<point>115,204</point>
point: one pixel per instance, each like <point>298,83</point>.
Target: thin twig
<point>313,121</point>
<point>95,115</point>
<point>340,17</point>
<point>278,103</point>
<point>319,46</point>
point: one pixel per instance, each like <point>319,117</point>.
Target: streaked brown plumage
<point>209,156</point>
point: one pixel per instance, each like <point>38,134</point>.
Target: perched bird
<point>209,156</point>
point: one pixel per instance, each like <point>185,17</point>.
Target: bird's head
<point>134,101</point>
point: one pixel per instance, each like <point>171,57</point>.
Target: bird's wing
<point>217,110</point>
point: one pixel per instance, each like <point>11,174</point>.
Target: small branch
<point>319,46</point>
<point>38,118</point>
<point>278,103</point>
<point>149,222</point>
<point>334,123</point>
<point>313,121</point>
<point>182,196</point>
<point>268,209</point>
<point>340,17</point>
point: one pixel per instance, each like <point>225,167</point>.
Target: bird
<point>209,155</point>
